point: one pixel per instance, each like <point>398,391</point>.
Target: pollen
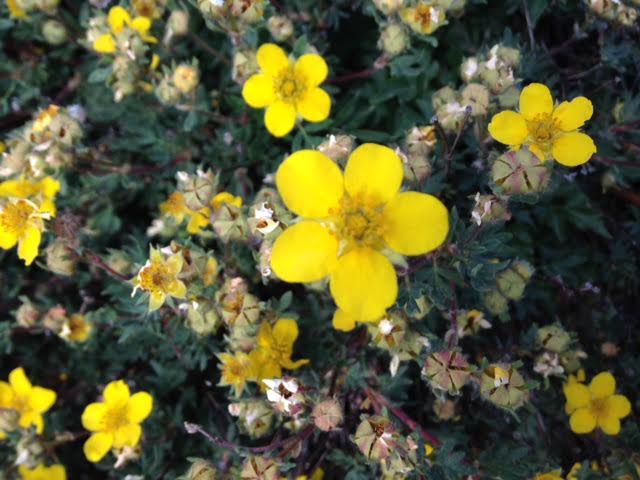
<point>359,222</point>
<point>543,130</point>
<point>14,219</point>
<point>156,278</point>
<point>289,85</point>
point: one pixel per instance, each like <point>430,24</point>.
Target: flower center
<point>290,86</point>
<point>599,407</point>
<point>543,129</point>
<point>358,221</point>
<point>155,278</point>
<point>115,417</point>
<point>20,404</point>
<point>15,217</point>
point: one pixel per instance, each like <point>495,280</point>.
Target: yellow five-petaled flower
<point>115,422</point>
<point>22,223</point>
<point>29,401</point>
<point>286,89</point>
<point>119,19</point>
<point>159,278</point>
<point>596,405</point>
<point>348,224</point>
<point>274,349</point>
<point>550,131</point>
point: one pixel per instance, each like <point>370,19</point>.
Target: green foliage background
<point>576,235</point>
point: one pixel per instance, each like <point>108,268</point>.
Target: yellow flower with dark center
<point>274,349</point>
<point>40,472</point>
<point>596,405</point>
<point>29,401</point>
<point>119,19</point>
<point>236,370</point>
<point>287,89</point>
<point>348,222</point>
<point>423,18</point>
<point>21,223</point>
<point>41,192</point>
<point>159,278</point>
<point>548,131</point>
<point>115,422</point>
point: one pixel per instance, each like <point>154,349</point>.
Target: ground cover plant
<point>306,239</point>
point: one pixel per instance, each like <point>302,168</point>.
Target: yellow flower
<point>146,8</point>
<point>53,472</point>
<point>41,192</point>
<point>77,329</point>
<point>119,19</point>
<point>237,369</point>
<point>549,131</point>
<point>176,208</point>
<point>225,198</point>
<point>287,89</point>
<point>15,11</point>
<point>185,78</point>
<point>596,405</point>
<point>555,475</point>
<point>159,278</point>
<point>348,223</point>
<point>115,422</point>
<point>21,222</point>
<point>274,349</point>
<point>28,400</point>
<point>423,18</point>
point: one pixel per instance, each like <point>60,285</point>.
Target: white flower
<point>264,214</point>
<point>283,393</point>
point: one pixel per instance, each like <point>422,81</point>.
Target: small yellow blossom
<point>274,349</point>
<point>15,11</point>
<point>29,401</point>
<point>548,130</point>
<point>185,78</point>
<point>348,224</point>
<point>225,198</point>
<point>236,370</point>
<point>115,422</point>
<point>596,405</point>
<point>40,472</point>
<point>176,208</point>
<point>41,192</point>
<point>159,278</point>
<point>119,19</point>
<point>44,118</point>
<point>288,89</point>
<point>22,223</point>
<point>423,18</point>
<point>77,329</point>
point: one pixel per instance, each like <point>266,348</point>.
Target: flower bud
<point>327,415</point>
<point>394,39</point>
<point>572,360</point>
<point>509,97</point>
<point>609,349</point>
<point>27,315</point>
<point>519,172</point>
<point>230,223</point>
<point>469,69</point>
<point>548,364</point>
<point>8,420</point>
<point>444,409</point>
<point>29,450</point>
<point>495,302</point>
<point>285,395</point>
<point>553,338</point>
<point>76,329</point>
<point>280,27</point>
<point>388,6</point>
<point>443,96</point>
<point>54,32</point>
<point>185,78</point>
<point>446,370</point>
<point>259,468</point>
<point>376,437</point>
<point>513,280</point>
<point>255,417</point>
<point>197,189</point>
<point>489,209</point>
<point>178,23</point>
<point>55,319</point>
<point>337,147</point>
<point>60,259</point>
<point>476,96</point>
<point>503,386</point>
<point>203,318</point>
<point>388,333</point>
<point>201,470</point>
<point>239,309</point>
<point>471,322</point>
<point>244,65</point>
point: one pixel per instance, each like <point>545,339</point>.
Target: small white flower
<point>283,393</point>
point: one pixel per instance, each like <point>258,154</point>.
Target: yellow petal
<point>374,171</point>
<point>156,300</point>
<point>104,44</point>
<point>177,289</point>
<point>118,17</point>
<point>415,223</point>
<point>7,240</point>
<point>141,25</point>
<point>610,424</point>
<point>343,321</point>
<point>57,472</point>
<point>41,399</point>
<point>582,421</point>
<point>93,417</point>
<point>116,393</point>
<point>139,407</point>
<point>285,332</point>
<point>572,115</point>
<point>310,184</point>
<point>258,91</point>
<point>279,118</point>
<point>364,284</point>
<point>197,221</point>
<point>509,128</point>
<point>618,406</point>
<point>573,149</point>
<point>28,245</point>
<point>313,68</point>
<point>29,418</point>
<point>602,385</point>
<point>97,446</point>
<point>19,382</point>
<point>6,395</point>
<point>535,99</point>
<point>315,105</point>
<point>578,395</point>
<point>272,59</point>
<point>174,263</point>
<point>127,436</point>
<point>303,253</point>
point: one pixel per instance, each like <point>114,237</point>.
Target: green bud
<point>259,468</point>
<point>280,27</point>
<point>230,223</point>
<point>60,259</point>
<point>495,302</point>
<point>394,39</point>
<point>513,280</point>
<point>554,338</point>
<point>476,96</point>
<point>54,32</point>
<point>503,386</point>
<point>178,23</point>
<point>203,318</point>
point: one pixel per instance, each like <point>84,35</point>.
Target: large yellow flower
<point>119,19</point>
<point>115,422</point>
<point>348,223</point>
<point>159,278</point>
<point>40,472</point>
<point>286,89</point>
<point>549,131</point>
<point>27,400</point>
<point>274,349</point>
<point>42,192</point>
<point>596,405</point>
<point>22,223</point>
